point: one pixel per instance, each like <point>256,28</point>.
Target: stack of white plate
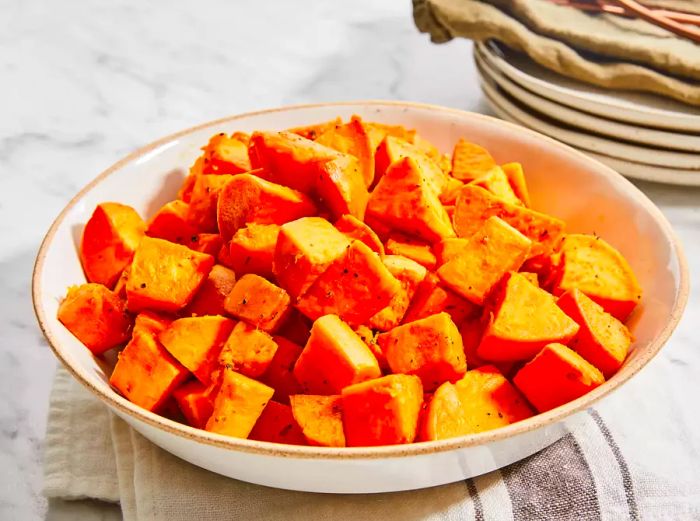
<point>641,136</point>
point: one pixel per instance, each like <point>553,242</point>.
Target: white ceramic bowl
<point>588,195</point>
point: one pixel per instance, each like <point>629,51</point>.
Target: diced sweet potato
<point>448,249</point>
<point>280,372</point>
<point>259,302</point>
<point>109,241</point>
<point>430,348</point>
<point>352,138</point>
<point>516,178</point>
<point>591,265</point>
<point>431,298</point>
<point>252,249</point>
<point>451,191</point>
<point>224,257</point>
<point>120,286</point>
<point>209,243</point>
<point>195,402</point>
<point>340,186</point>
<point>525,319</point>
<point>555,376</point>
<point>320,419</point>
<point>165,276</point>
<point>602,339</point>
<point>333,358</point>
<point>276,424</point>
<point>398,131</point>
<point>472,330</point>
<point>305,248</point>
<point>204,198</point>
<point>248,351</point>
<point>393,149</point>
<point>369,337</point>
<point>417,251</point>
<point>490,253</point>
<point>470,161</point>
<point>409,274</point>
<point>210,298</point>
<point>248,198</point>
<point>531,277</point>
<point>496,182</point>
<point>238,405</point>
<point>170,223</point>
<point>225,155</point>
<point>96,316</point>
<point>152,323</point>
<point>196,342</point>
<point>383,411</point>
<point>355,286</point>
<point>475,205</point>
<point>353,228</point>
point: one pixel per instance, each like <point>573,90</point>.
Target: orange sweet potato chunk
<point>516,179</point>
<point>196,342</point>
<point>591,265</point>
<point>451,191</point>
<point>248,198</point>
<point>475,205</point>
<point>225,155</point>
<point>555,376</point>
<point>405,201</point>
<point>320,419</point>
<point>209,243</point>
<point>96,316</point>
<point>393,149</point>
<point>369,337</point>
<point>470,161</point>
<point>340,186</point>
<point>602,339</point>
<point>280,372</point>
<point>355,286</point>
<point>238,405</point>
<point>170,223</point>
<point>448,249</point>
<point>165,276</point>
<point>195,402</point>
<point>204,198</point>
<point>430,348</point>
<point>252,249</point>
<point>353,228</point>
<point>258,302</point>
<point>525,319</point>
<point>333,358</point>
<point>313,131</point>
<point>248,351</point>
<point>431,298</point>
<point>109,241</point>
<point>277,424</point>
<point>417,251</point>
<point>495,249</point>
<point>210,298</point>
<point>352,138</point>
<point>383,411</point>
<point>496,182</point>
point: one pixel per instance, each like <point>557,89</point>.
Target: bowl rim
<point>125,407</point>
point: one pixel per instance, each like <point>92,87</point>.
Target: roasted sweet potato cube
<point>305,248</point>
<point>525,319</point>
<point>555,376</point>
<point>109,241</point>
<point>417,251</point>
<point>470,161</point>
<point>475,205</point>
<point>369,337</point>
<point>383,411</point>
<point>516,178</point>
<point>248,198</point>
<point>195,402</point>
<point>591,265</point>
<point>430,348</point>
<point>96,316</point>
<point>313,131</point>
<point>355,286</point>
<point>448,249</point>
<point>165,276</point>
<point>431,298</point>
<point>404,200</point>
<point>496,182</point>
<point>602,339</point>
<point>196,342</point>
<point>209,243</point>
<point>333,358</point>
<point>451,191</point>
<point>353,228</point>
<point>252,249</point>
<point>204,198</point>
<point>495,249</point>
<point>248,351</point>
<point>153,323</point>
<point>320,419</point>
<point>210,298</point>
<point>280,372</point>
<point>352,138</point>
<point>170,223</point>
<point>238,404</point>
<point>225,155</point>
<point>259,302</point>
<point>392,149</point>
<point>277,424</point>
<point>341,187</point>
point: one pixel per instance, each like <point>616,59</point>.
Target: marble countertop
<point>83,84</point>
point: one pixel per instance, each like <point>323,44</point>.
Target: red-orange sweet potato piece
<point>96,316</point>
<point>470,161</point>
<point>120,286</point>
<point>185,191</point>
<point>109,241</point>
<point>417,251</point>
<point>296,328</point>
<point>320,419</point>
<point>165,276</point>
<point>353,228</point>
<point>393,149</point>
<point>170,223</point>
<point>472,330</point>
<point>204,198</point>
<point>556,376</point>
<point>248,351</point>
<point>369,337</point>
<point>280,372</point>
<point>352,138</point>
<point>516,178</point>
<point>431,298</point>
<point>313,131</point>
<point>333,358</point>
<point>210,298</point>
<point>383,411</point>
<point>252,249</point>
<point>277,424</point>
<point>209,243</point>
<point>258,302</point>
<point>195,402</point>
<point>341,187</point>
<point>448,249</point>
<point>225,155</point>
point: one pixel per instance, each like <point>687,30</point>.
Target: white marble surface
<point>82,84</point>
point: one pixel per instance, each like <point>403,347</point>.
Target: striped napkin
<point>92,454</point>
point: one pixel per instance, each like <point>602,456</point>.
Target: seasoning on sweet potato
<point>431,298</point>
<point>525,319</point>
<point>195,402</point>
<point>555,376</point>
<point>170,223</point>
<point>602,339</point>
<point>493,250</point>
<point>340,186</point>
<point>252,249</point>
<point>96,316</point>
<point>120,286</point>
<point>209,243</point>
<point>590,264</point>
<point>238,404</point>
<point>475,205</point>
<point>405,201</point>
<point>204,198</point>
<point>313,131</point>
<point>248,198</point>
<point>320,419</point>
<point>109,241</point>
<point>392,149</point>
<point>470,161</point>
<point>383,411</point>
<point>430,348</point>
<point>448,249</point>
<point>209,300</point>
<point>355,286</point>
<point>333,358</point>
<point>165,276</point>
<point>516,179</point>
<point>451,191</point>
<point>417,251</point>
<point>353,228</point>
<point>276,424</point>
<point>196,342</point>
<point>496,182</point>
<point>248,351</point>
<point>352,138</point>
<point>225,155</point>
<point>280,372</point>
<point>369,337</point>
<point>259,302</point>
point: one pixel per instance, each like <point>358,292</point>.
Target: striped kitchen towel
<point>583,476</point>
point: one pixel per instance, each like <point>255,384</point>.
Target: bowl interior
<point>587,195</point>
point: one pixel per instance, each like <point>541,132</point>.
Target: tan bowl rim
<point>121,404</point>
